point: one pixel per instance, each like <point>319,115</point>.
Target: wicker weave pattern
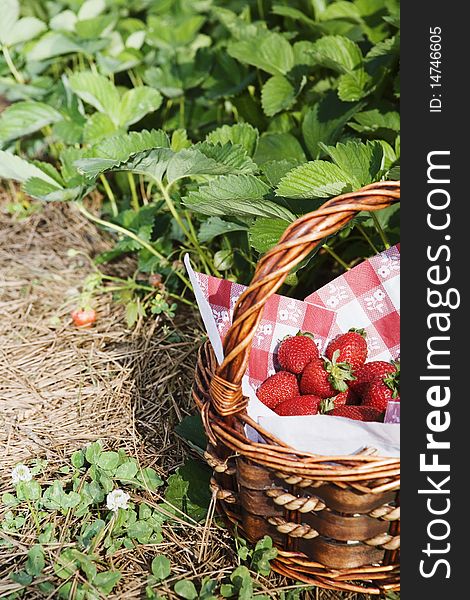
<point>334,519</point>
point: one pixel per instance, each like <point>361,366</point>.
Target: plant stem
<point>135,78</point>
<point>182,121</point>
<point>131,235</point>
<point>172,208</point>
<point>187,231</point>
<point>244,255</point>
<point>179,298</point>
<point>107,529</point>
<point>34,516</point>
<point>135,199</point>
<point>109,193</point>
<point>381,232</point>
<point>168,105</point>
<point>207,261</point>
<point>131,76</point>
<point>142,190</point>
<point>336,257</point>
<point>13,70</point>
<point>149,189</point>
<point>56,148</point>
<point>361,229</point>
<point>261,10</point>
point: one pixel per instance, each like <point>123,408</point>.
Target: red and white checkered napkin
<point>366,296</point>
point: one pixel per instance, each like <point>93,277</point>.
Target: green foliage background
<point>207,126</point>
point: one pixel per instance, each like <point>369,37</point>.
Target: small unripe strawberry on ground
<point>325,378</point>
<point>277,388</point>
<point>296,352</point>
<point>155,280</point>
<point>352,348</point>
<point>83,317</point>
<point>357,413</point>
<point>377,369</point>
<point>299,405</point>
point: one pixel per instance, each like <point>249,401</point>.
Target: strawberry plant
<point>205,127</point>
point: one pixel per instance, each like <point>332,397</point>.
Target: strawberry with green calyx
<point>358,413</point>
<point>380,391</point>
<point>352,348</point>
<point>278,388</point>
<point>325,378</point>
<point>299,405</point>
<point>370,371</point>
<point>295,352</point>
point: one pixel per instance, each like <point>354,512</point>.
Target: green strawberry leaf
<point>268,51</point>
<point>98,91</point>
<point>241,134</point>
<point>235,195</point>
<point>277,94</point>
<point>23,118</point>
<point>317,179</point>
<point>265,233</point>
<point>361,162</point>
<point>325,122</point>
<point>136,103</point>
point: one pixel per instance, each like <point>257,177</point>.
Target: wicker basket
<point>335,520</point>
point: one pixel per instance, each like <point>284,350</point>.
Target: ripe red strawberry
<point>378,394</point>
<point>357,413</point>
<point>351,348</point>
<point>277,388</point>
<point>296,352</point>
<point>348,397</point>
<point>325,378</point>
<point>368,372</point>
<point>83,317</point>
<point>299,405</point>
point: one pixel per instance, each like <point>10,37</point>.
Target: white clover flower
<point>21,473</point>
<point>117,499</point>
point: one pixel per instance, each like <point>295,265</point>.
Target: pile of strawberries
<point>341,383</point>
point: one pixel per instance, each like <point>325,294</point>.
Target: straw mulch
<point>61,387</point>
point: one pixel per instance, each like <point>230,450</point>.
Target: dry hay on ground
<point>61,387</point>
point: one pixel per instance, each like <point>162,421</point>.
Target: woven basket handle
<point>299,239</point>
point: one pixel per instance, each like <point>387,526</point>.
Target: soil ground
<point>61,387</point>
